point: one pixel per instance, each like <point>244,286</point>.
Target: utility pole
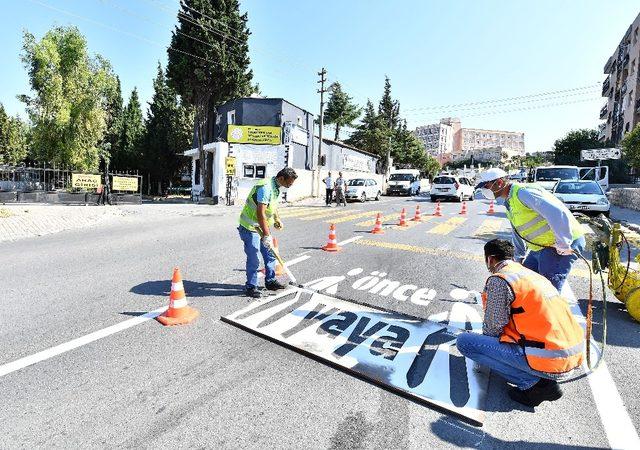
<point>321,91</point>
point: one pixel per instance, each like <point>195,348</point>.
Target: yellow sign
<point>247,134</point>
<point>85,181</point>
<point>231,165</point>
<point>125,184</point>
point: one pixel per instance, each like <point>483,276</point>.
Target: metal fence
<point>42,184</point>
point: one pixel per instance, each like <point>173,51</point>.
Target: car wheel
<point>378,196</point>
<point>434,199</point>
<point>459,198</point>
<point>363,197</point>
<point>471,197</point>
<point>418,191</point>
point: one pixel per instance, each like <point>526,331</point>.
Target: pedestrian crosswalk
<point>448,226</point>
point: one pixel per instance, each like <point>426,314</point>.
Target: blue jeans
<point>253,245</point>
<point>507,360</point>
<point>552,266</point>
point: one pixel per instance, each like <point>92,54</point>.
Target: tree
<point>631,147</point>
<point>209,62</point>
<point>13,138</point>
<point>567,150</point>
<point>371,134</point>
<point>131,133</point>
<point>71,90</point>
<point>340,109</point>
<point>111,140</point>
<point>168,132</point>
<point>388,108</point>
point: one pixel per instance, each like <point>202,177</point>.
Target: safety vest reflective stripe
<point>534,234</point>
<point>249,215</point>
<point>535,221</point>
<point>560,353</point>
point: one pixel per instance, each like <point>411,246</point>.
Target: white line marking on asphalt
<point>614,416</point>
<point>349,241</point>
<point>79,342</point>
<point>297,260</point>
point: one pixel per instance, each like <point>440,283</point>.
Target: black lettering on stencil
<point>358,336</point>
<point>335,327</point>
<point>422,361</point>
<point>311,318</point>
<point>268,305</point>
<point>394,343</point>
<point>303,298</point>
<point>458,379</point>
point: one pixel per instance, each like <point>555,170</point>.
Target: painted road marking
<point>304,212</point>
<point>349,241</point>
<point>448,226</point>
<point>326,214</point>
<point>297,260</point>
<point>383,219</point>
<point>75,343</point>
<point>489,228</point>
<point>615,419</point>
<point>352,217</point>
<point>412,223</point>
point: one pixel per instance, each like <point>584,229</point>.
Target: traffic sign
<point>230,163</point>
<point>595,154</point>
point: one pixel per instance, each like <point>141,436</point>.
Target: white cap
<point>490,175</point>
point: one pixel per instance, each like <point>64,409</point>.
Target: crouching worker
<point>529,335</point>
<point>258,215</point>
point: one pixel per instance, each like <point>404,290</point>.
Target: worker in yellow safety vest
<point>529,335</point>
<point>260,212</point>
<point>541,224</point>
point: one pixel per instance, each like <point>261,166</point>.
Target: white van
<point>547,177</point>
<point>404,182</point>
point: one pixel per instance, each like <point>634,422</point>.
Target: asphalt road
<point>210,384</point>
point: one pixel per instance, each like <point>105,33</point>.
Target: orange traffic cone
<point>179,312</point>
<point>279,268</point>
<point>463,211</point>
<point>332,245</point>
<point>438,212</point>
<point>418,216</point>
<point>491,210</point>
<point>377,229</point>
<point>403,222</point>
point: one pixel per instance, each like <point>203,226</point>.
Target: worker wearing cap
<point>541,224</point>
<point>259,213</point>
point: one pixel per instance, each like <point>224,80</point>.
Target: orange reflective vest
<point>540,322</point>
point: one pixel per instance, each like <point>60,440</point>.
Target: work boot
<point>543,390</point>
<point>274,285</point>
<point>253,292</point>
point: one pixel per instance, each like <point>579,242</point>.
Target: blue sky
<point>435,52</point>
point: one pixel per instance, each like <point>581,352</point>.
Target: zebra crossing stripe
<point>372,222</point>
<point>448,226</point>
<point>411,223</point>
<point>326,214</point>
<point>300,211</point>
<point>488,228</point>
<point>353,217</point>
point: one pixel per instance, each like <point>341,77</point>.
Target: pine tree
<point>13,138</point>
<point>371,134</point>
<point>111,141</point>
<point>131,132</point>
<point>209,62</point>
<point>340,109</point>
<point>388,108</point>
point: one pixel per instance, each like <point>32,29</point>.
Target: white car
<point>582,196</point>
<point>451,186</point>
<point>363,189</point>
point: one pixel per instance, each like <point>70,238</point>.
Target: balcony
<point>604,111</point>
<point>609,65</point>
<point>623,89</point>
<point>605,87</point>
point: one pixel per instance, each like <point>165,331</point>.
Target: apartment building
<point>439,139</point>
<point>473,140</point>
<point>622,110</point>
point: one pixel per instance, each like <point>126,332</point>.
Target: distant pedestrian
<point>329,189</point>
<point>340,187</point>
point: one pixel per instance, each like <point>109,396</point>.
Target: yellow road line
<point>353,217</point>
<point>488,229</point>
<point>442,252</point>
<point>448,226</point>
<point>372,222</point>
<point>326,214</point>
<point>300,211</point>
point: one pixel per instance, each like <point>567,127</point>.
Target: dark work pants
<point>328,197</point>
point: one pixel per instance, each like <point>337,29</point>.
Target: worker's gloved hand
<point>267,241</point>
<point>563,251</point>
<point>277,224</point>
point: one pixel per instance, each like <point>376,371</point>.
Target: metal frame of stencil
<point>414,357</point>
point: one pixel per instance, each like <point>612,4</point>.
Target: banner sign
<point>595,154</point>
<point>248,134</point>
<point>294,133</point>
<point>124,184</point>
<point>351,162</point>
<point>415,357</point>
<point>230,164</point>
<point>85,181</point>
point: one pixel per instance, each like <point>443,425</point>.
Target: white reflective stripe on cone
<point>180,303</point>
<point>177,286</point>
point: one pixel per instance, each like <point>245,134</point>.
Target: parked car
<point>582,196</point>
<point>363,189</point>
<point>453,187</point>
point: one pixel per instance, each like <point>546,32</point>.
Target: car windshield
<point>355,183</point>
<point>401,177</point>
<point>444,180</point>
<point>578,188</point>
<point>555,173</point>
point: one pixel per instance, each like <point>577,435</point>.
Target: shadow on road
<point>191,288</point>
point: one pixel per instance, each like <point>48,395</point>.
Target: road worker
<point>541,223</point>
<point>258,215</point>
<point>529,336</point>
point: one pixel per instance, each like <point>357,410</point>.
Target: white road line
<point>297,260</point>
<point>349,241</point>
<point>75,343</point>
<point>614,416</point>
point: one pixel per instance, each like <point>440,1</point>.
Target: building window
<point>299,121</point>
<point>254,170</point>
<point>231,117</point>
<point>196,176</point>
